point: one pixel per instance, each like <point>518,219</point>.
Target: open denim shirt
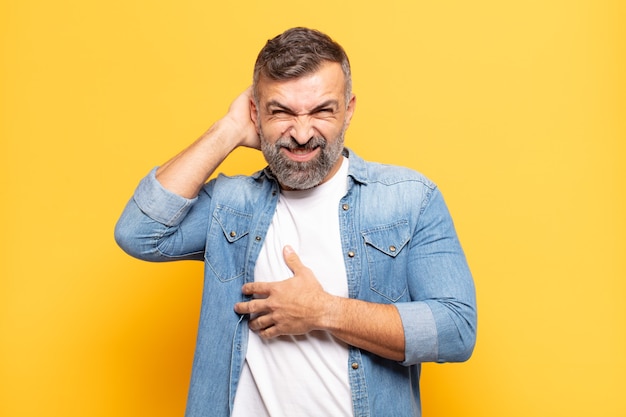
<point>399,246</point>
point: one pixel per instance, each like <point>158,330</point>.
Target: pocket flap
<point>234,224</point>
<point>389,239</point>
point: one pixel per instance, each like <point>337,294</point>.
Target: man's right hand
<point>239,117</point>
<point>186,173</point>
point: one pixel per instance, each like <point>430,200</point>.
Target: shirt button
<point>233,234</point>
<point>351,254</point>
<point>355,365</point>
<point>392,248</point>
<point>345,207</point>
<point>258,238</point>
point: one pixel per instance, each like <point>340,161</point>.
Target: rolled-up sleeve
<point>159,203</point>
<point>150,227</point>
<point>420,332</point>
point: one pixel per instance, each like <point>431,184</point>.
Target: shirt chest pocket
<point>387,259</point>
<point>227,243</point>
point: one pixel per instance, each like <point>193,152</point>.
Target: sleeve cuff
<point>159,203</point>
<point>420,333</point>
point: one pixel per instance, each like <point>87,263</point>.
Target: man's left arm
<point>299,305</point>
<point>440,321</point>
<point>438,325</point>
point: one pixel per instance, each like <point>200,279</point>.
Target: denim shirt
<point>399,246</point>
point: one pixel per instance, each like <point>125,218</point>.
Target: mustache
<point>292,144</point>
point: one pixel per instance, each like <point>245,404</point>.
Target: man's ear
<point>254,114</point>
<point>350,110</point>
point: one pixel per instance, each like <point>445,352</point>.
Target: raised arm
<point>187,172</point>
<point>151,226</point>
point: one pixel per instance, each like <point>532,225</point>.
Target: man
<point>328,279</point>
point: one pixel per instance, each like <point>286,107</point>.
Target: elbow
<point>456,333</point>
<point>136,245</point>
<point>136,235</point>
<point>464,351</point>
<point>462,346</point>
<point>132,238</point>
<point>125,238</point>
<point>457,352</point>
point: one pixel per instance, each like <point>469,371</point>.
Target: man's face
<point>301,123</point>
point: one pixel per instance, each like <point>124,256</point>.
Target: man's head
<point>302,106</point>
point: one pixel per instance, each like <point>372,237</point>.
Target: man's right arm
<point>187,172</point>
<point>152,227</point>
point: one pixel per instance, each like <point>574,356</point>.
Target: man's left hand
<point>294,306</point>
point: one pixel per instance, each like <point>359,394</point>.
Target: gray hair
<point>297,52</point>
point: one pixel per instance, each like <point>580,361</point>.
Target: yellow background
<point>516,109</point>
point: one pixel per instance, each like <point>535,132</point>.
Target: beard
<point>302,175</point>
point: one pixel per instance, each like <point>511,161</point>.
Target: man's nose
<point>302,129</point>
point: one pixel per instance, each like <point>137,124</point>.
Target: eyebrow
<point>326,104</point>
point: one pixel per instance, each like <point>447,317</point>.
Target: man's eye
<point>280,113</point>
<point>325,112</point>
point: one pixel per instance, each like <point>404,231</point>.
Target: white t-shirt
<point>304,375</point>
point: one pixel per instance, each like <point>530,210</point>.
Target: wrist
<point>333,307</point>
<point>239,133</point>
<point>223,134</point>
